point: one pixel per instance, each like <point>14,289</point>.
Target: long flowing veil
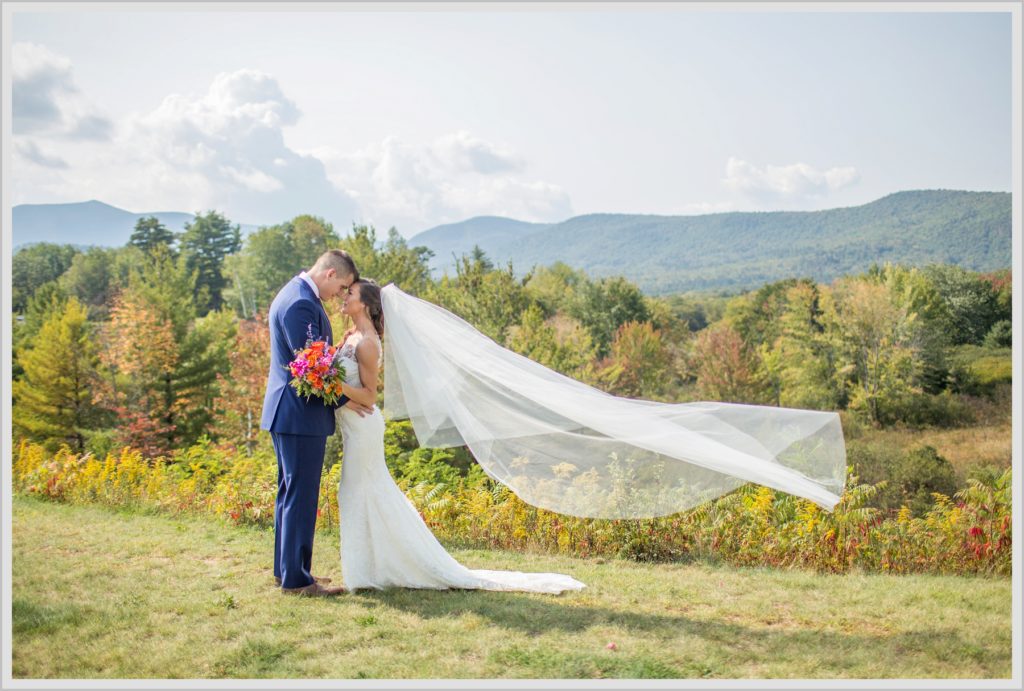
<point>570,448</point>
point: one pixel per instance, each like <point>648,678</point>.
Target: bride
<point>557,443</point>
<point>384,542</point>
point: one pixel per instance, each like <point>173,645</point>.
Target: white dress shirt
<point>312,284</point>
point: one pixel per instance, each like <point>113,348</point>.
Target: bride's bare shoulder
<point>368,348</point>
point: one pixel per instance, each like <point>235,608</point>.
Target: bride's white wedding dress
<point>384,542</point>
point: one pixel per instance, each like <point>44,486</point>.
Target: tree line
<point>163,341</point>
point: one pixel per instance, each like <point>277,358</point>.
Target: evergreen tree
<point>800,364</point>
<point>150,233</point>
<point>53,402</point>
<point>48,300</point>
<point>207,240</point>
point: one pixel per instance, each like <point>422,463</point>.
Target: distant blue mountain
<point>495,233</point>
<point>87,223</point>
<point>741,250</point>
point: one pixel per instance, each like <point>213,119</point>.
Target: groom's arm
<point>300,320</point>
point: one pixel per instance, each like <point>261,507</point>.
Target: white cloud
<point>793,184</point>
<point>451,178</point>
<point>225,149</point>
<point>45,99</point>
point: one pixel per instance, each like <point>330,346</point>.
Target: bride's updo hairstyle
<point>369,295</point>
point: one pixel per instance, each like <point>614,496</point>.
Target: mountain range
<point>87,223</point>
<point>743,250</point>
<point>662,254</point>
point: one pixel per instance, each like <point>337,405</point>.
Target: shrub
<point>1000,335</point>
<point>920,474</point>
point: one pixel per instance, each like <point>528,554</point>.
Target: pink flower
<point>611,646</point>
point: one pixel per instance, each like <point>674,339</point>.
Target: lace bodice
<point>347,353</point>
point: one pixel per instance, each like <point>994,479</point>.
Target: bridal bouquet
<point>316,372</point>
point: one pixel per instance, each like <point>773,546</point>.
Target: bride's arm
<point>367,355</point>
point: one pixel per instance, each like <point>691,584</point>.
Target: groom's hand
<point>359,408</point>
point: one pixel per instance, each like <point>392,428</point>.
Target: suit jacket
<point>295,312</point>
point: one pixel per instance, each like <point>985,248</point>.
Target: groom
<point>299,428</point>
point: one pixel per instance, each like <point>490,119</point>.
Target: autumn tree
<point>239,402</point>
<point>724,367</point>
<point>140,355</point>
<point>640,364</point>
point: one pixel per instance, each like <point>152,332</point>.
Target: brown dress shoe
<point>314,589</point>
<point>318,579</point>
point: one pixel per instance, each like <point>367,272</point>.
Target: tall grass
<point>968,533</point>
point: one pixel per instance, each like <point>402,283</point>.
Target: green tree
<point>878,351</point>
<point>270,257</point>
<point>34,266</point>
<point>310,236</point>
<point>150,233</point>
<point>554,287</point>
<point>972,302</point>
<point>560,342</point>
<point>603,306</point>
<point>392,261</point>
<point>47,300</point>
<point>98,274</point>
<point>53,402</point>
<point>757,315</point>
<point>207,240</point>
<point>203,355</point>
<point>489,298</point>
<point>800,365</point>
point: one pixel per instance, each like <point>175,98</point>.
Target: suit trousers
<point>300,462</point>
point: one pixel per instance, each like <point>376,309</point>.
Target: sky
<point>417,118</point>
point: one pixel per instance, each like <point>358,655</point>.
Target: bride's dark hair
<point>369,295</point>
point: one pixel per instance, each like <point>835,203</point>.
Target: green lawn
<point>98,593</point>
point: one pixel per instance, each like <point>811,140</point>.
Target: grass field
<point>99,593</point>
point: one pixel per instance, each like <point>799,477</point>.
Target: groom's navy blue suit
<point>299,430</point>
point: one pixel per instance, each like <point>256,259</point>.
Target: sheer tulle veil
<point>570,448</point>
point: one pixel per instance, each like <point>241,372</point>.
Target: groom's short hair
<point>340,261</point>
